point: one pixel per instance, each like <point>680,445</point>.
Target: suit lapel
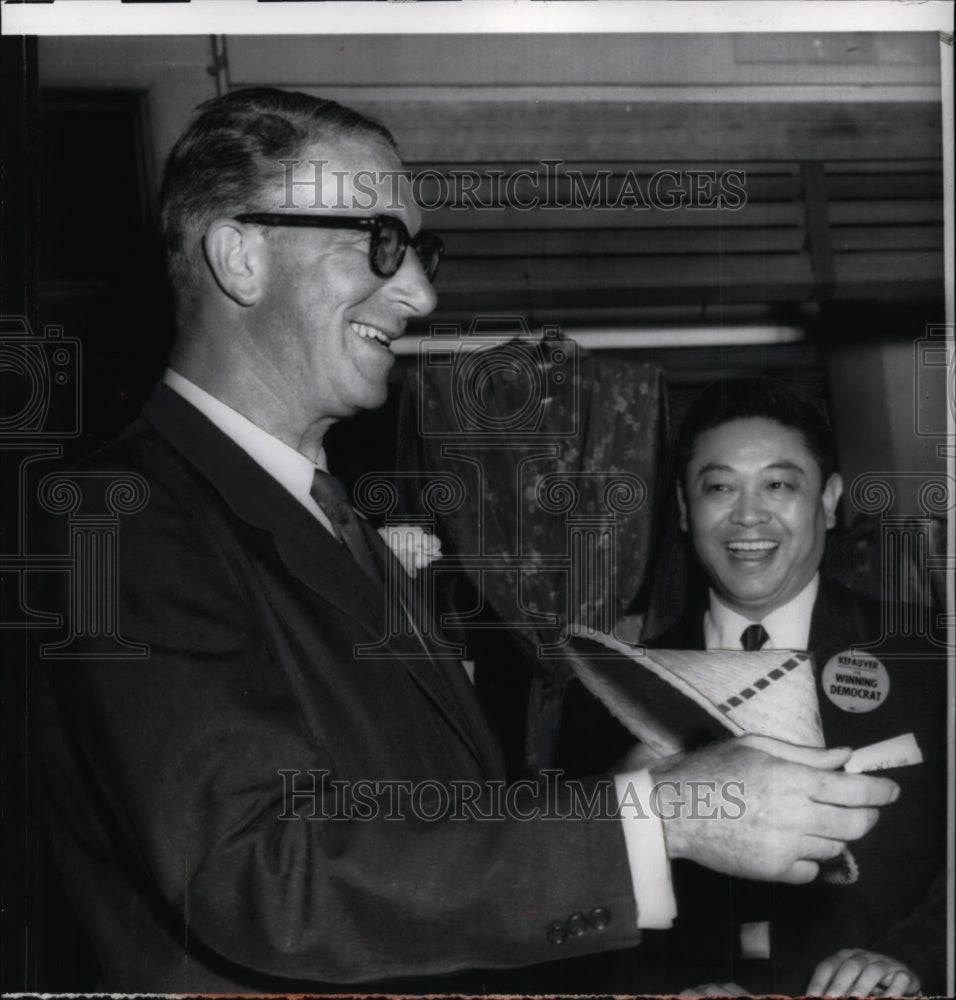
<point>439,674</point>
<point>313,555</point>
<point>839,620</point>
<point>258,500</point>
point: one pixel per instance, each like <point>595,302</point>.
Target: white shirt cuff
<point>646,850</point>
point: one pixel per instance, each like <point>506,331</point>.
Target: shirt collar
<point>290,468</point>
<point>788,626</point>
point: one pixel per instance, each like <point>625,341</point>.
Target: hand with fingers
<point>856,972</point>
<point>792,809</point>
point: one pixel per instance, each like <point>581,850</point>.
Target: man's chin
<point>372,396</point>
<point>752,602</point>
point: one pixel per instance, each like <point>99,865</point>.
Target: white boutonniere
<point>414,547</point>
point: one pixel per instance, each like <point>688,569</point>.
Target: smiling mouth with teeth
<point>754,548</point>
<point>372,333</point>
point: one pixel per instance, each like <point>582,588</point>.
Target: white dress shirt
<point>788,627</point>
<point>646,850</point>
<point>289,468</point>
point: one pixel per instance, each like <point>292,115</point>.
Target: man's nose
<point>411,286</point>
<point>749,508</point>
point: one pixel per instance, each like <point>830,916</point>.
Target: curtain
<point>537,464</point>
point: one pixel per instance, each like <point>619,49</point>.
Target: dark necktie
<point>753,637</point>
<point>329,493</point>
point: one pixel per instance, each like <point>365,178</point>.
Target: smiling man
<point>311,297</point>
<point>757,491</point>
<point>287,793</point>
<point>757,496</point>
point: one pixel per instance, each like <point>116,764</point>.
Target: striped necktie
<point>329,493</point>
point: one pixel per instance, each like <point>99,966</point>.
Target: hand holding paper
<point>797,810</point>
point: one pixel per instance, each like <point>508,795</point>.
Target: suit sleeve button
<point>557,933</point>
<point>577,924</point>
<point>599,918</point>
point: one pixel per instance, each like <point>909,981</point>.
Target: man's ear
<point>681,506</point>
<point>832,492</point>
<point>235,256</point>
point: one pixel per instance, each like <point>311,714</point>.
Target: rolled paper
<point>899,751</point>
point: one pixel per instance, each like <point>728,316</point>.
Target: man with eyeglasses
<point>278,798</point>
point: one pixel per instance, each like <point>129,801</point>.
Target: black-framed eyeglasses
<point>388,237</point>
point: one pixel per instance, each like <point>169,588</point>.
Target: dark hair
<point>230,153</point>
<point>742,399</point>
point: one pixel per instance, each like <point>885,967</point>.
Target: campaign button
<point>855,681</point>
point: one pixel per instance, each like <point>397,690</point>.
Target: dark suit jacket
<point>898,859</point>
<point>166,780</point>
